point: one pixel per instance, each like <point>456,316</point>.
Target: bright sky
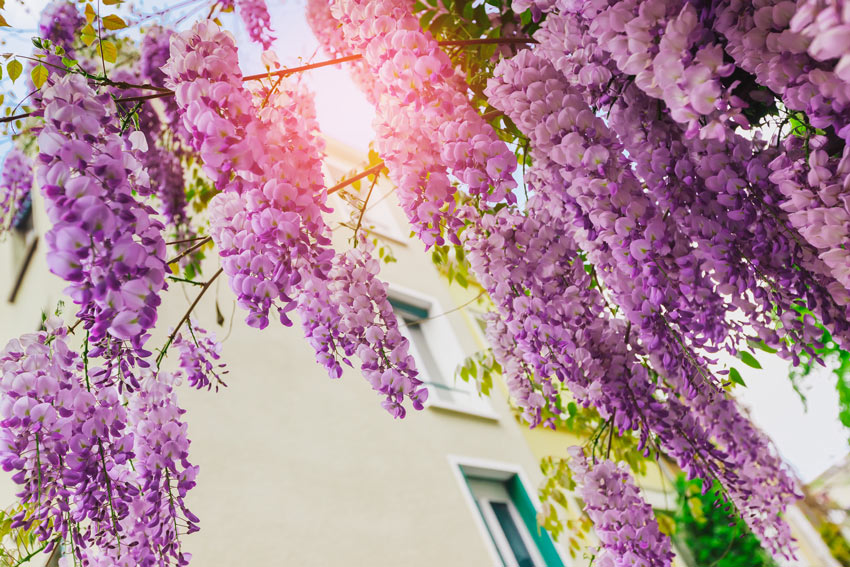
<point>810,440</point>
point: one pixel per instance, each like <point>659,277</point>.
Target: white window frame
<point>501,471</point>
<point>447,354</point>
<point>498,534</point>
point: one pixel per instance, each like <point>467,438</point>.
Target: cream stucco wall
<point>298,469</point>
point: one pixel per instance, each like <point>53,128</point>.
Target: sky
<point>810,440</point>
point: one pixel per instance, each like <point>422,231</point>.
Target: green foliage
<point>479,369</point>
<point>830,354</point>
<point>714,538</point>
<point>17,546</point>
<point>838,546</point>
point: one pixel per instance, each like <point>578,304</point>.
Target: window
<point>508,517</point>
<point>437,353</point>
<point>23,242</point>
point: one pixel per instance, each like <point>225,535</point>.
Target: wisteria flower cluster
<point>15,189</point>
<point>200,354</point>
<point>94,466</point>
<point>622,519</point>
<point>268,224</point>
<point>420,96</point>
<point>104,241</point>
<point>658,227</point>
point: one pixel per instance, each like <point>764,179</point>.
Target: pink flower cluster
<point>425,125</point>
<point>622,519</point>
<point>648,265</point>
<point>15,187</point>
<point>103,241</point>
<point>329,34</point>
<point>200,353</point>
<point>267,222</point>
<point>255,15</point>
<point>350,313</point>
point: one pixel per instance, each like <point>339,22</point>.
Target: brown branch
<point>15,117</point>
<point>186,316</point>
<point>195,239</point>
<point>190,250</point>
<point>343,184</point>
<point>291,70</point>
<point>489,41</point>
<point>284,72</point>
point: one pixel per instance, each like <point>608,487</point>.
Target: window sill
<point>464,409</point>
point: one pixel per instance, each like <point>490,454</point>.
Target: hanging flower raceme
<point>553,328</point>
<point>15,190</point>
<point>799,54</point>
<point>255,15</point>
<point>424,124</point>
<point>164,474</point>
<point>328,32</point>
<point>67,443</point>
<point>818,203</point>
<point>267,223</point>
<point>741,234</point>
<point>262,223</point>
<point>639,253</point>
<point>623,520</point>
<point>646,263</point>
<point>673,57</point>
<point>200,353</point>
<point>103,241</point>
<point>349,313</point>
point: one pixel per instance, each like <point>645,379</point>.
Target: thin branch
<point>190,250</point>
<point>146,97</point>
<point>185,240</point>
<point>363,209</point>
<point>489,41</point>
<point>186,316</point>
<point>291,70</point>
<point>343,184</point>
<point>444,313</point>
<point>336,61</point>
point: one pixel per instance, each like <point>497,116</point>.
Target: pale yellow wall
<point>298,469</point>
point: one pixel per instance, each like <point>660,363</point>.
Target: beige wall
<point>298,469</point>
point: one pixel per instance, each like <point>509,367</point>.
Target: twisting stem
<point>109,493</point>
<point>186,317</point>
<point>363,209</point>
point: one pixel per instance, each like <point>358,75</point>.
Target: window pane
<point>511,531</point>
<point>425,357</point>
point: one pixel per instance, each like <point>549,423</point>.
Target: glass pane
<point>511,531</point>
<point>425,357</point>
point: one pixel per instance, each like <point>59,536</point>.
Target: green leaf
<point>110,52</point>
<point>112,2</point>
<point>39,75</point>
<point>749,359</point>
<point>3,22</point>
<point>14,68</point>
<point>113,22</point>
<point>735,376</point>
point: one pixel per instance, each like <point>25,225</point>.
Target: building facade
<point>299,469</point>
